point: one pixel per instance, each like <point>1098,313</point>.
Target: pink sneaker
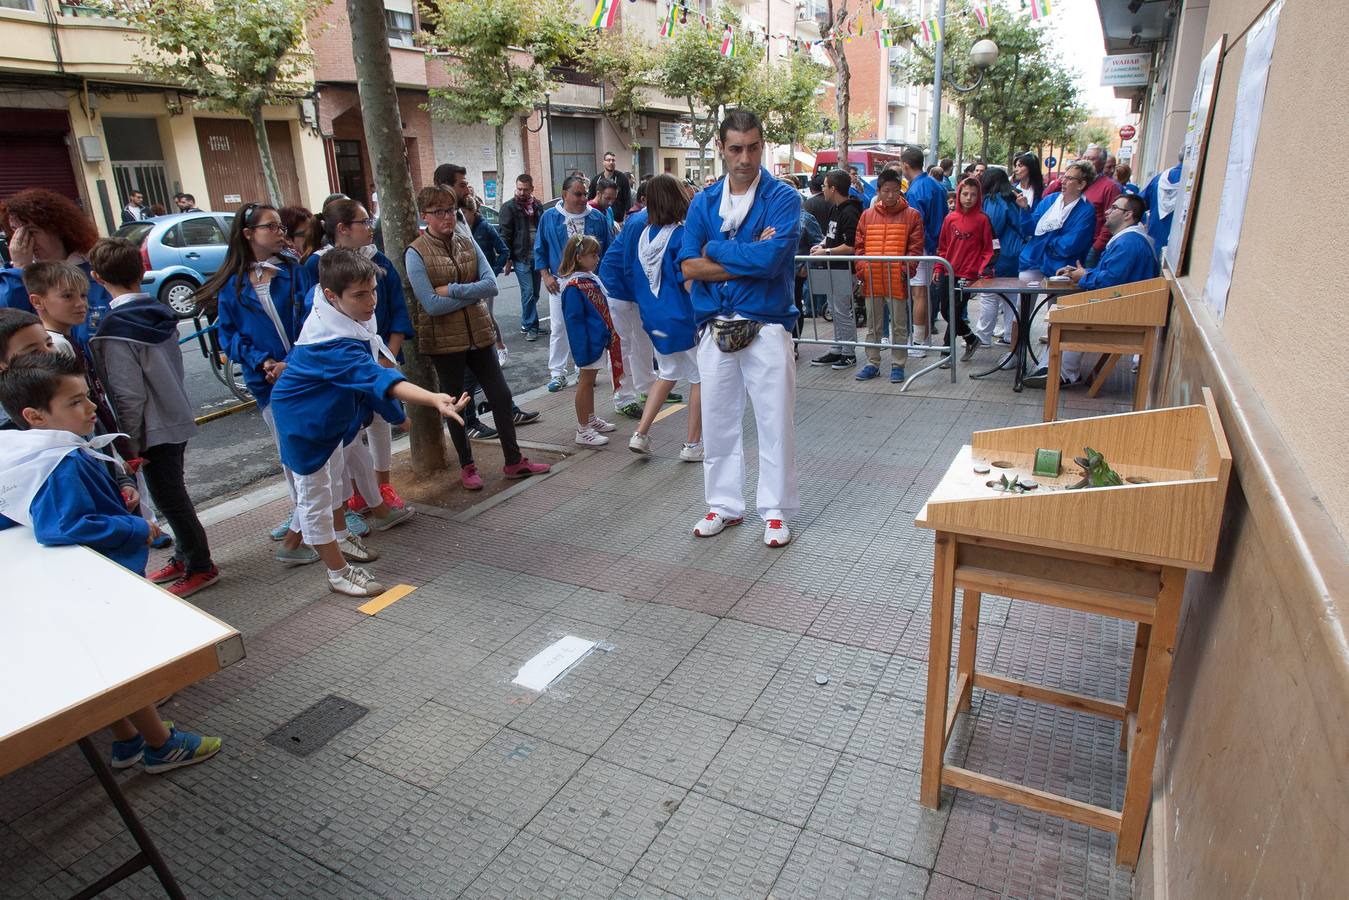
<point>470,479</point>
<point>391,496</point>
<point>524,468</point>
<point>356,503</point>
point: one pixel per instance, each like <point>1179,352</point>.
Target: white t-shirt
<point>61,344</point>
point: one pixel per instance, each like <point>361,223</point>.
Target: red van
<point>869,160</point>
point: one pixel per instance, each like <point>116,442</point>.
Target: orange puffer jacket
<point>881,232</point>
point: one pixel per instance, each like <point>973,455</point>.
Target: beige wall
<point>1283,319</point>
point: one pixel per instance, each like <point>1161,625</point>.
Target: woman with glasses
<point>346,223</point>
<point>259,298</point>
<point>1060,229</point>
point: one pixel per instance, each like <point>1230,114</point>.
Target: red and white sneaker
<point>391,497</point>
<point>356,503</point>
<point>714,523</point>
<point>524,468</point>
<point>190,584</point>
<point>777,534</point>
<point>174,570</point>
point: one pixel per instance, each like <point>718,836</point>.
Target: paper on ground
<point>549,664</point>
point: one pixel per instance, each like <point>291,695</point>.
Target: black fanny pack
<point>732,335</point>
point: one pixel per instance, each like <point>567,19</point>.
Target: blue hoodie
<point>1159,226</point>
<point>929,198</point>
<point>1129,257</point>
<point>668,316</point>
<point>1066,245</point>
<point>761,288</point>
<point>616,267</point>
<point>80,504</point>
<point>1005,217</point>
<point>246,331</point>
<point>551,238</point>
<point>588,334</point>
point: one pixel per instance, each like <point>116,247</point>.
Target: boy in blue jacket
<point>737,252</point>
<point>330,389</point>
<point>56,483</point>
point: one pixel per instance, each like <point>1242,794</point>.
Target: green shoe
<point>631,410</point>
<point>674,398</point>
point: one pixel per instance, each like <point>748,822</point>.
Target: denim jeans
<point>528,276</point>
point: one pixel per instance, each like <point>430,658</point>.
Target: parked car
<point>180,252</point>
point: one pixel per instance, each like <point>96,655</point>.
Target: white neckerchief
<point>1168,192</point>
<point>269,264</point>
<point>1132,229</point>
<point>1056,215</point>
<point>734,210</point>
<point>651,254</point>
<point>28,458</point>
<point>264,291</point>
<point>61,343</point>
<point>368,250</point>
<point>575,223</point>
<point>583,276</point>
<point>328,323</point>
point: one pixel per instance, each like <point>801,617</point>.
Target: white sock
<point>336,575</point>
<point>342,535</point>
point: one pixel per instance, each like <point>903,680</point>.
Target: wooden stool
<point>1114,322</point>
<point>1119,551</point>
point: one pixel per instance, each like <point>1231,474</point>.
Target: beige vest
<point>463,329</point>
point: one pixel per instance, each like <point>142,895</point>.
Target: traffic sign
<point>1050,162</point>
<point>1127,132</point>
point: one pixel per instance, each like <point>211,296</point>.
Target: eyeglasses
<point>430,214</point>
<point>1114,208</point>
<point>1072,178</point>
<point>276,227</point>
<point>368,223</point>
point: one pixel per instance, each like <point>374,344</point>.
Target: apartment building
<point>76,117</point>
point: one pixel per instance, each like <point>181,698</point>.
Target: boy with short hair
<point>56,484</point>
<point>136,354</point>
<point>59,294</point>
<point>21,333</point>
<point>330,389</point>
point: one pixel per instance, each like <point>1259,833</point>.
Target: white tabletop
<point>74,624</point>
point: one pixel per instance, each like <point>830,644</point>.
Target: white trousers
<point>559,352</point>
<point>359,467</point>
<point>991,307</point>
<point>380,437</point>
<point>317,496</point>
<point>766,370</point>
<point>638,374</point>
<point>268,418</point>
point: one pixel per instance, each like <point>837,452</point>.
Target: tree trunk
<point>960,138</point>
<point>636,155</point>
<point>398,214</point>
<point>499,132</point>
<point>842,98</point>
<point>983,150</point>
<point>265,152</point>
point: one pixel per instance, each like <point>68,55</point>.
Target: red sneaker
<point>190,584</point>
<point>391,498</point>
<point>524,468</point>
<point>172,572</point>
<point>356,503</point>
<point>470,479</point>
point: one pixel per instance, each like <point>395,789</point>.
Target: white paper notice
<point>1241,156</point>
<point>552,661</point>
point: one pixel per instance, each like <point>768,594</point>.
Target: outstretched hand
<point>449,407</point>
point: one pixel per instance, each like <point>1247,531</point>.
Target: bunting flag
<point>728,42</point>
<point>931,30</point>
<point>605,10</point>
<point>878,5</point>
<point>667,27</point>
<point>1040,8</point>
<point>860,31</point>
<point>981,13</point>
<point>883,39</point>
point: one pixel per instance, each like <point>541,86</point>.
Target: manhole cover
<point>317,725</point>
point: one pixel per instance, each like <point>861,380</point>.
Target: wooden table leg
<point>969,645</point>
<point>1144,380</point>
<point>1055,363</point>
<point>1102,371</point>
<point>938,667</point>
<point>1142,635</point>
<point>1151,706</point>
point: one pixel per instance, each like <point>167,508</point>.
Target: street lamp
<point>982,55</point>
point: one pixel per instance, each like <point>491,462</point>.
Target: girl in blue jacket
<point>667,311</point>
<point>1003,204</point>
<point>590,332</point>
<point>259,298</point>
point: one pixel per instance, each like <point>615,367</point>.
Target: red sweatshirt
<point>967,236</point>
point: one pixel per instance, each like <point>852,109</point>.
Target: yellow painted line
<point>227,411</point>
<point>389,597</point>
<point>670,410</point>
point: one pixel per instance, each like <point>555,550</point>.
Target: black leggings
<point>164,477</point>
<point>482,362</point>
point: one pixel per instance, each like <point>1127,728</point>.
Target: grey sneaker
<point>302,555</point>
<point>354,582</point>
<point>354,549</point>
<point>395,517</point>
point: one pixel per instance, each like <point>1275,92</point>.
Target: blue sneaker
<point>279,532</point>
<point>557,384</point>
<point>164,540</point>
<point>868,372</point>
<point>356,525</point>
<point>126,754</point>
<point>183,748</point>
<point>896,374</point>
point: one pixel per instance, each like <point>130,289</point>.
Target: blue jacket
<point>1005,217</point>
<point>762,286</point>
<point>1065,246</point>
<point>1127,258</point>
<point>620,260</point>
<point>667,316</point>
<point>551,238</point>
<point>929,198</point>
<point>391,309</point>
<point>493,247</point>
<point>246,331</point>
<point>327,394</point>
<point>588,334</point>
<point>80,504</point>
<point>1159,226</point>
<point>15,296</point>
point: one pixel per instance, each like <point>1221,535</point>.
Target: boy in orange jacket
<point>889,228</point>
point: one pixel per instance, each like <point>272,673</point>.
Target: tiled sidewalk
<point>698,757</point>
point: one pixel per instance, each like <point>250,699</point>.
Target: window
<point>201,232</point>
<point>17,4</point>
<point>913,123</point>
<point>400,27</point>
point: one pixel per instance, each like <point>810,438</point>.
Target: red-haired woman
<point>43,226</point>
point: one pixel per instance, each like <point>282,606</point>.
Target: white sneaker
<point>354,549</point>
<point>712,524</point>
<point>692,452</point>
<point>589,437</point>
<point>917,354</point>
<point>396,516</point>
<point>777,534</point>
<point>640,443</point>
<point>599,425</point>
<point>354,582</point>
